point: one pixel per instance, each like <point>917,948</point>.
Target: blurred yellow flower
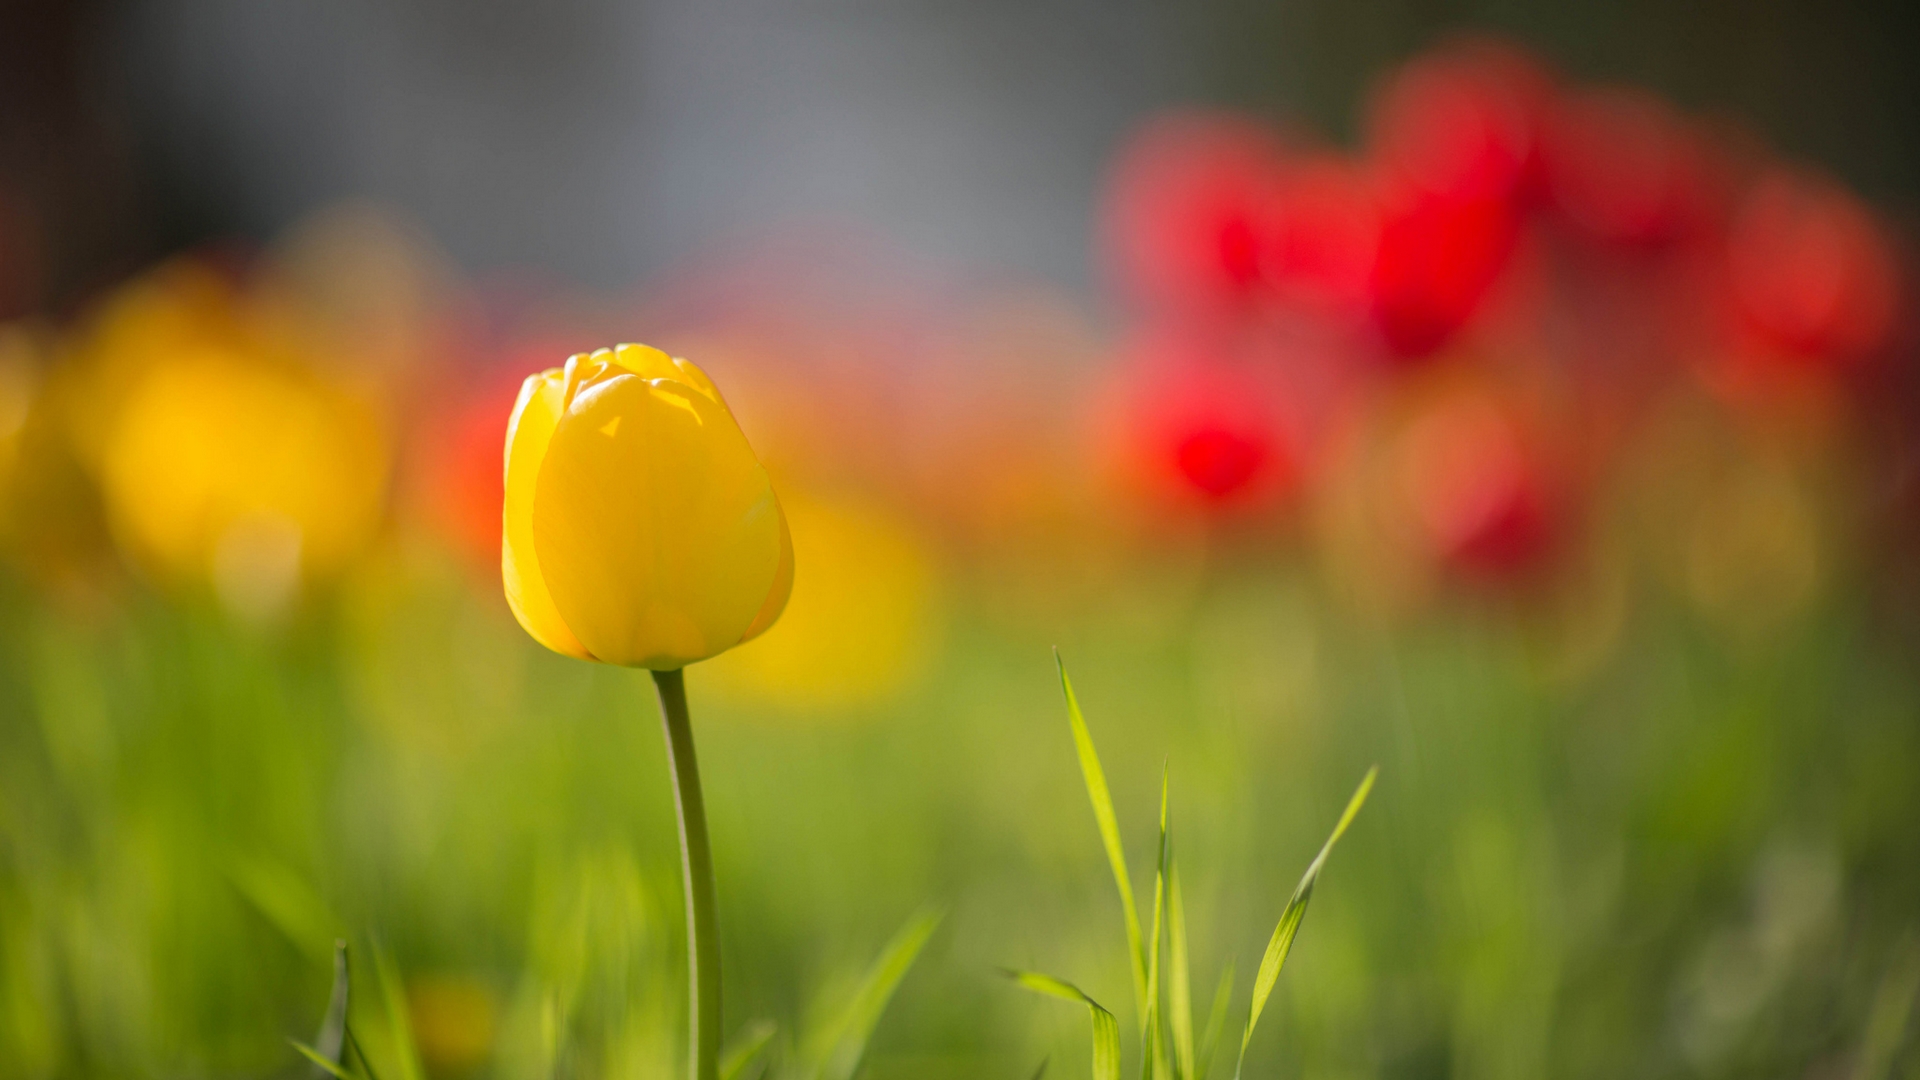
<point>862,623</point>
<point>179,307</point>
<point>639,527</point>
<point>232,470</point>
<point>18,376</point>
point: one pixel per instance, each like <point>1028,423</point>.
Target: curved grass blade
<point>360,1052</point>
<point>844,1044</point>
<point>326,1067</point>
<point>1296,910</point>
<point>1179,982</point>
<point>331,1042</point>
<point>1102,800</point>
<point>1106,1033</point>
<point>1216,1023</point>
<point>746,1047</point>
<point>1154,1045</point>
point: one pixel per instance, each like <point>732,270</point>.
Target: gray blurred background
<point>603,140</point>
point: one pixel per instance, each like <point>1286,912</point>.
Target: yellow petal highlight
<point>651,363</point>
<point>657,530</point>
<point>542,400</point>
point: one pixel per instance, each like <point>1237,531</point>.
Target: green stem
<point>696,867</point>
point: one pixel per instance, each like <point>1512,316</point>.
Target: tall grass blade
<point>1296,909</point>
<point>1153,1045</point>
<point>1042,1070</point>
<point>1106,1033</point>
<point>1102,800</point>
<point>331,1042</point>
<point>1179,981</point>
<point>1216,1023</point>
<point>327,1068</point>
<point>746,1048</point>
<point>845,1043</point>
<point>399,1023</point>
<point>360,1052</point>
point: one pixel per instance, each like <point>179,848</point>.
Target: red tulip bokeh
<point>1591,251</point>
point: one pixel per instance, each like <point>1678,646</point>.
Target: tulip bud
<point>639,528</point>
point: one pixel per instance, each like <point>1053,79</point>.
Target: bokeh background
<point>1519,397</point>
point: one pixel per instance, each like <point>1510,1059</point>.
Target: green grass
<point>1183,1062</point>
<point>1695,861</point>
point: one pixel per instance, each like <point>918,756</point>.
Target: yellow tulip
<point>639,527</point>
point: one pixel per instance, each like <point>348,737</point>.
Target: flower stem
<point>696,867</point>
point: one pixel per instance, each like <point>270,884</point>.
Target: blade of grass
<point>1296,910</point>
<point>320,1062</point>
<point>399,1023</point>
<point>1179,983</point>
<point>331,1042</point>
<point>1042,1070</point>
<point>1102,800</point>
<point>360,1052</point>
<point>1216,1022</point>
<point>844,1044</point>
<point>1153,1046</point>
<point>746,1047</point>
<point>1106,1033</point>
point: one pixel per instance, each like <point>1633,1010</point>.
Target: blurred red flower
<point>1187,215</point>
<point>1454,137</point>
<point>460,451</point>
<point>1462,123</point>
<point>1324,234</point>
<point>1624,168</point>
<point>1437,261</point>
<point>1810,270</point>
<point>1204,426</point>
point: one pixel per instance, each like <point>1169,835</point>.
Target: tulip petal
<point>651,363</point>
<point>776,601</point>
<point>542,400</point>
<point>657,528</point>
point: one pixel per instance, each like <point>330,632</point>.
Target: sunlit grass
<point>1160,1057</point>
<point>191,813</point>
